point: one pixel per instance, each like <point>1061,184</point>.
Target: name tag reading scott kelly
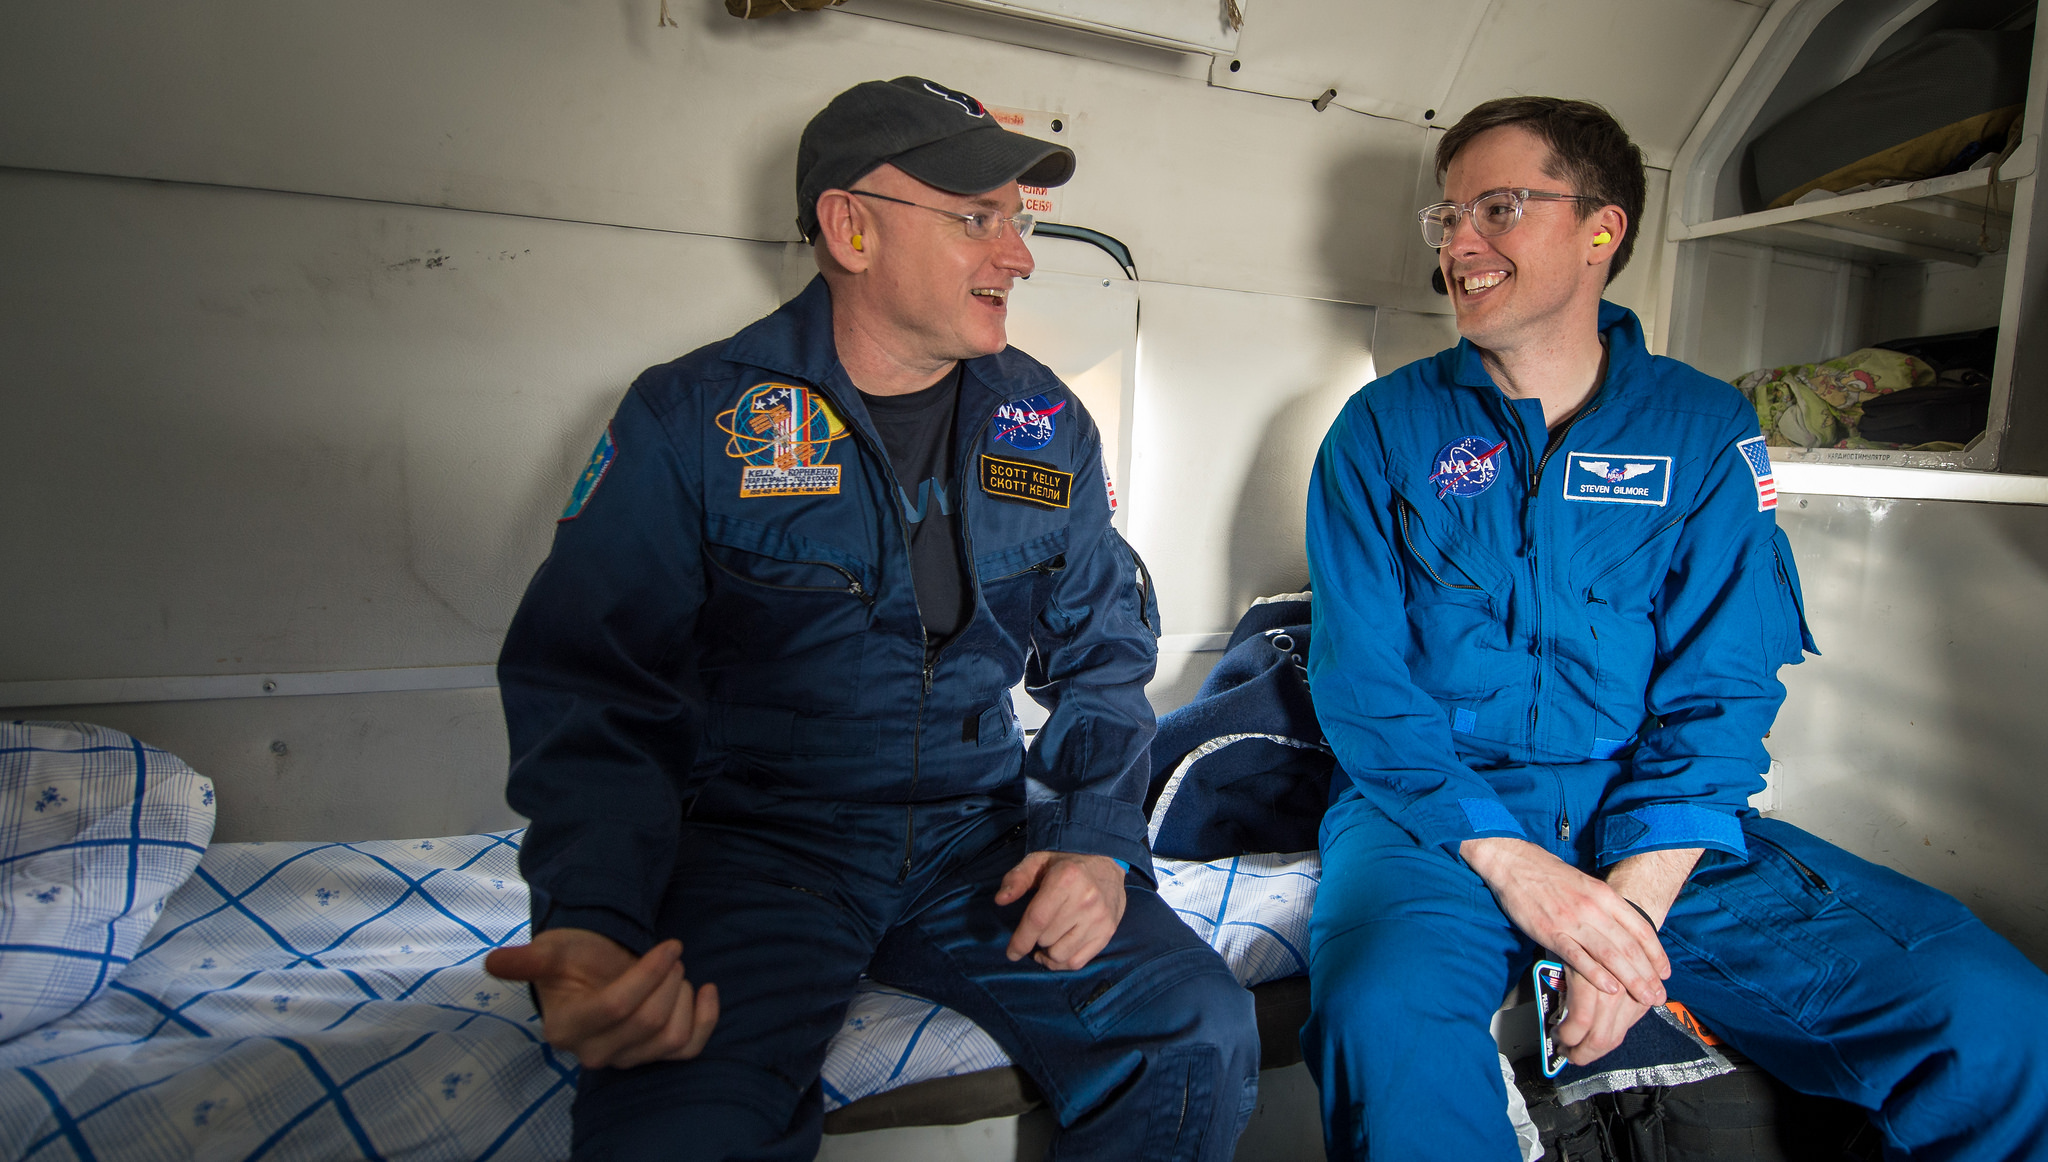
<point>1027,481</point>
<point>1617,479</point>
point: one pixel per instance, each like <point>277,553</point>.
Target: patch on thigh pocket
<point>1102,1005</point>
<point>1751,933</point>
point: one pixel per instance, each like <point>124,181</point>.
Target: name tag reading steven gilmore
<point>1027,481</point>
<point>1617,479</point>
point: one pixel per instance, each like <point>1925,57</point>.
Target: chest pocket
<point>1457,608</point>
<point>1017,582</point>
<point>773,599</point>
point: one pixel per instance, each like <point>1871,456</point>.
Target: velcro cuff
<point>1491,816</point>
<point>1663,826</point>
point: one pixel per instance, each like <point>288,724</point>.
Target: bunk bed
<point>166,998</point>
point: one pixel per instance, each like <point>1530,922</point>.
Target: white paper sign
<point>1039,202</point>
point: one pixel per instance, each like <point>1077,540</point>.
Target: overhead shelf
<point>1956,218</point>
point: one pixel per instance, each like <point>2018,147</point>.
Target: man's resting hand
<point>1595,1022</point>
<point>1579,918</point>
<point>608,1007</point>
<point>1080,902</point>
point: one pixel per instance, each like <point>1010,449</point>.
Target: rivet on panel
<point>278,747</point>
<point>269,686</point>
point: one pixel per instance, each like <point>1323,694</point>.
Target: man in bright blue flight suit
<point>1551,599</point>
<point>758,698</point>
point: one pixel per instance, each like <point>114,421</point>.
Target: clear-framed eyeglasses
<point>1493,213</point>
<point>981,224</point>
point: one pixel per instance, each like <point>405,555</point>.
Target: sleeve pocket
<point>1781,607</point>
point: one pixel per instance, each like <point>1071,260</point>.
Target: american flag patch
<point>1759,458</point>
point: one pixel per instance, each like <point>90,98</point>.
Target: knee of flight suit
<point>1988,1057</point>
<point>1196,1084</point>
<point>690,1110</point>
<point>1206,1009</point>
<point>1210,1010</point>
<point>1214,1009</point>
<point>1394,966</point>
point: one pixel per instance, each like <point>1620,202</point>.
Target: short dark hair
<point>1589,151</point>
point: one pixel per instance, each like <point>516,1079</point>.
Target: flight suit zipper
<point>1550,447</point>
<point>881,456</point>
<point>931,656</point>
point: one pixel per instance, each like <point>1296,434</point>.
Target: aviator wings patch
<point>1611,478</point>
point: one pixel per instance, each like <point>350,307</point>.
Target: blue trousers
<point>1149,1052</point>
<point>1840,977</point>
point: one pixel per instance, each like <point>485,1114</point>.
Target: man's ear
<point>843,231</point>
<point>1606,229</point>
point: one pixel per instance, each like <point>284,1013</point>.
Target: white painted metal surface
<point>1916,739</point>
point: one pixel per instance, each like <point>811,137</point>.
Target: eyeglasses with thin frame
<point>1493,213</point>
<point>981,224</point>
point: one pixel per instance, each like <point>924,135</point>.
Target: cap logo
<point>967,104</point>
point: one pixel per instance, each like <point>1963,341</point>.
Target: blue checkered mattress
<point>321,1001</point>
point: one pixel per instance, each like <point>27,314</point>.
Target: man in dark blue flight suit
<point>758,698</point>
<point>1551,600</point>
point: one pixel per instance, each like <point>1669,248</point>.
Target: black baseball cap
<point>940,136</point>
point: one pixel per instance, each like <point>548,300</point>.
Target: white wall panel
<point>1235,392</point>
<point>1391,58</point>
<point>1654,65</point>
<point>254,431</point>
<point>589,112</point>
<point>1636,287</point>
<point>359,766</point>
<point>1800,322</point>
<point>1935,298</point>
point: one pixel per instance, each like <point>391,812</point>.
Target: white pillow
<point>95,830</point>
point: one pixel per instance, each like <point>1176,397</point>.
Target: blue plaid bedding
<point>315,1001</point>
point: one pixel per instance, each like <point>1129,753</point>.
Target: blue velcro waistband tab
<point>1607,748</point>
<point>1489,815</point>
<point>1464,721</point>
<point>1667,825</point>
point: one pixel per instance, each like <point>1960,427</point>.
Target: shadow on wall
<point>1267,554</point>
<point>1353,237</point>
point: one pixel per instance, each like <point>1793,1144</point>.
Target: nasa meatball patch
<point>1466,466</point>
<point>1617,478</point>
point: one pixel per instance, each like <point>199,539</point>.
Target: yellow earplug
<point>857,243</point>
<point>1602,238</point>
